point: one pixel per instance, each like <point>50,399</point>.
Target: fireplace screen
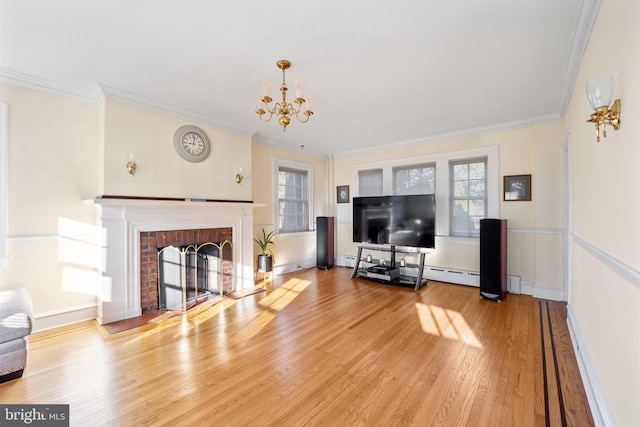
<point>189,275</point>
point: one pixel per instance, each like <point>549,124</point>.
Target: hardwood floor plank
<point>317,348</point>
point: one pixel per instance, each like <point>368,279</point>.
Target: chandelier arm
<point>283,109</point>
<point>270,115</point>
<point>291,110</point>
<point>274,109</point>
<point>305,113</point>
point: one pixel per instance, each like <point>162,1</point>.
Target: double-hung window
<point>466,184</point>
<point>370,182</point>
<point>467,196</point>
<point>293,206</point>
<point>414,179</point>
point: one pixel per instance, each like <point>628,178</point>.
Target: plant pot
<point>265,263</point>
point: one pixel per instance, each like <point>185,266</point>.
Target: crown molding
<point>585,21</point>
<point>516,124</point>
<point>104,91</point>
<point>37,83</point>
<point>117,94</point>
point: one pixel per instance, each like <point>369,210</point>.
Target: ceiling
<point>381,73</point>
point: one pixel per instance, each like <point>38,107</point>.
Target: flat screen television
<point>395,220</point>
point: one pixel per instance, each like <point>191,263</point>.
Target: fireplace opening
<point>189,275</point>
<point>213,259</point>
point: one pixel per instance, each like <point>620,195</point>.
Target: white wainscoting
<point>595,395</point>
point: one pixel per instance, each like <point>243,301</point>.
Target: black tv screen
<point>395,220</point>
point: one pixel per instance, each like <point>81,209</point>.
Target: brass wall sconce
<point>600,92</point>
<point>131,165</point>
<point>239,176</point>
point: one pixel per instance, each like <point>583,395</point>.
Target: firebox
<point>188,275</point>
<point>207,267</point>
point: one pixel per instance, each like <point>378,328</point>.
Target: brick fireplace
<point>152,241</point>
<point>129,223</point>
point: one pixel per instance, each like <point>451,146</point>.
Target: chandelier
<point>284,110</point>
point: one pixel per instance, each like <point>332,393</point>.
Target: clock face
<point>191,143</point>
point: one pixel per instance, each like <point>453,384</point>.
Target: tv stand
<point>389,273</point>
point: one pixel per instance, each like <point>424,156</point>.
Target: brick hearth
<point>151,241</point>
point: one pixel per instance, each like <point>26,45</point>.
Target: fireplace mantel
<point>124,219</point>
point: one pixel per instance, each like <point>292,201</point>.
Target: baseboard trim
<point>472,278</point>
<point>548,293</point>
<point>68,316</point>
<point>537,291</point>
<point>595,395</point>
<point>289,268</point>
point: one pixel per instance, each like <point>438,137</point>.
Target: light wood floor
<point>319,349</point>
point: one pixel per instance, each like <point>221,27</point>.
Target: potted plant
<point>265,260</point>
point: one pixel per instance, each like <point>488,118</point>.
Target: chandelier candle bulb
<point>309,103</point>
<point>265,84</point>
<point>298,85</point>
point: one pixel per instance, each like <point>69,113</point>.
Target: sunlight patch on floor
<point>284,294</point>
<point>256,325</point>
<point>277,300</point>
<point>446,323</point>
<point>186,321</point>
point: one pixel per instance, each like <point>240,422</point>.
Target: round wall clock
<point>191,143</point>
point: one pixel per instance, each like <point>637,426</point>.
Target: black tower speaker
<point>493,259</point>
<point>324,242</point>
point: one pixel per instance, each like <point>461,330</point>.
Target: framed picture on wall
<point>342,193</point>
<point>517,188</point>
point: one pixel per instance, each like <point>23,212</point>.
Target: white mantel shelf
<point>123,219</point>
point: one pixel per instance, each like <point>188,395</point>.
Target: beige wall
<point>292,249</point>
<point>53,156</point>
<point>535,228</point>
<point>161,172</point>
<point>605,249</point>
<point>64,152</point>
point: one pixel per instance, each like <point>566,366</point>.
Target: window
<point>414,179</point>
<point>293,209</point>
<point>461,200</point>
<point>370,182</point>
<point>468,196</point>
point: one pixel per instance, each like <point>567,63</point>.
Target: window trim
<point>468,198</point>
<point>491,152</point>
<point>277,164</point>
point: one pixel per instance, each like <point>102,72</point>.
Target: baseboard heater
<point>463,277</point>
<point>443,274</point>
<point>460,277</point>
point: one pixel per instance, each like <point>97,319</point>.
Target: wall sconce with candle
<point>600,92</point>
<point>239,176</point>
<point>131,165</point>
